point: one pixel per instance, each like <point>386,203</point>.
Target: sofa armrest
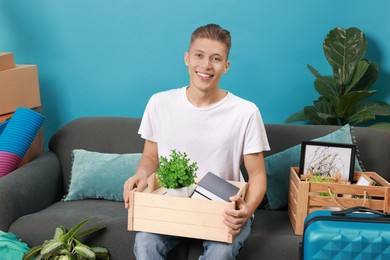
<point>30,188</point>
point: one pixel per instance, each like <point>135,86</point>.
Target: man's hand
<point>147,165</point>
<point>236,218</point>
<point>137,181</point>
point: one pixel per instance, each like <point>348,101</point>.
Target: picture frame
<point>329,160</point>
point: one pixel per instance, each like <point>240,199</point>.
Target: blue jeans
<point>149,246</point>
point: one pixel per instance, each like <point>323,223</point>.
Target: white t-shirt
<point>216,137</point>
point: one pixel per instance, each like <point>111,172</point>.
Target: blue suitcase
<point>354,233</point>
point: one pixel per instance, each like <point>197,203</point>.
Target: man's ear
<point>227,66</point>
<point>186,58</point>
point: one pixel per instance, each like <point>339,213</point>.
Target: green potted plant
<point>177,174</point>
<point>66,246</point>
<point>342,94</point>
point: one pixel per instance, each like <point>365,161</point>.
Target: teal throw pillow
<point>278,167</point>
<point>100,175</point>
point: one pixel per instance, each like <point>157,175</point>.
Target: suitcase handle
<point>359,209</point>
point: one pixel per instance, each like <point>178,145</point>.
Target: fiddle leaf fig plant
<point>342,94</point>
<point>176,172</point>
<point>66,246</point>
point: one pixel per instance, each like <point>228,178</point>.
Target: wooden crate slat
<point>347,189</point>
<point>212,219</point>
<point>178,229</point>
<point>317,200</point>
<point>170,202</point>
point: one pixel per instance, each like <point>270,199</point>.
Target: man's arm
<point>257,185</point>
<point>257,181</point>
<point>147,165</point>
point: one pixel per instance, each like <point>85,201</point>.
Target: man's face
<point>206,61</point>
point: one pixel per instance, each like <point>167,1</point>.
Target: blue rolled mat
<point>20,131</point>
<point>2,126</point>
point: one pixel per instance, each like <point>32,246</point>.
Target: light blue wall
<point>107,57</point>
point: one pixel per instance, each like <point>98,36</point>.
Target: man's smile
<point>204,76</point>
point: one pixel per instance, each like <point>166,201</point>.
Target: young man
<point>217,129</point>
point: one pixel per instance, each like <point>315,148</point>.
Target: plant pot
<point>181,192</point>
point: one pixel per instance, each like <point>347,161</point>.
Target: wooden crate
<point>304,196</point>
<point>178,216</point>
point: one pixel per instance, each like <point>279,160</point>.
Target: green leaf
<point>52,246</point>
<point>314,116</point>
<point>322,113</point>
<point>101,252</point>
<point>40,257</point>
<point>72,232</point>
<point>350,100</point>
<point>360,71</point>
<point>65,257</point>
<point>89,231</point>
<point>59,232</point>
<point>65,251</point>
<point>32,252</point>
<point>313,71</point>
<point>298,116</point>
<point>343,49</point>
<point>366,111</point>
<point>327,87</point>
<point>368,78</point>
<point>84,251</point>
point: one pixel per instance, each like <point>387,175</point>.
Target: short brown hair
<point>213,32</point>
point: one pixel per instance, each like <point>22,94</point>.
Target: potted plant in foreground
<point>65,245</point>
<point>177,174</point>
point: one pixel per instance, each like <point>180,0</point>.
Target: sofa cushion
<point>100,175</point>
<point>100,134</point>
<point>278,167</point>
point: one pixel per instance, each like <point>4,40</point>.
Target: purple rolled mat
<point>8,163</point>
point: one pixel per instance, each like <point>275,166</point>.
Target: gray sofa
<point>31,206</point>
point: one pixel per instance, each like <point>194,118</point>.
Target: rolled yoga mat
<point>2,126</point>
<point>17,137</point>
<point>8,163</point>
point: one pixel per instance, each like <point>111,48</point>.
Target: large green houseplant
<point>342,94</point>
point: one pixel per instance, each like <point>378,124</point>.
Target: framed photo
<point>329,160</point>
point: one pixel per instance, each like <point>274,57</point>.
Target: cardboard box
<point>7,61</point>
<point>305,197</point>
<point>178,216</point>
<point>37,146</point>
<point>19,87</point>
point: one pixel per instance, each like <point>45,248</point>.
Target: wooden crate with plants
<point>152,211</point>
<point>307,196</point>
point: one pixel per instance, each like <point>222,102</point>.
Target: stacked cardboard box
<point>6,61</point>
<point>19,87</point>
